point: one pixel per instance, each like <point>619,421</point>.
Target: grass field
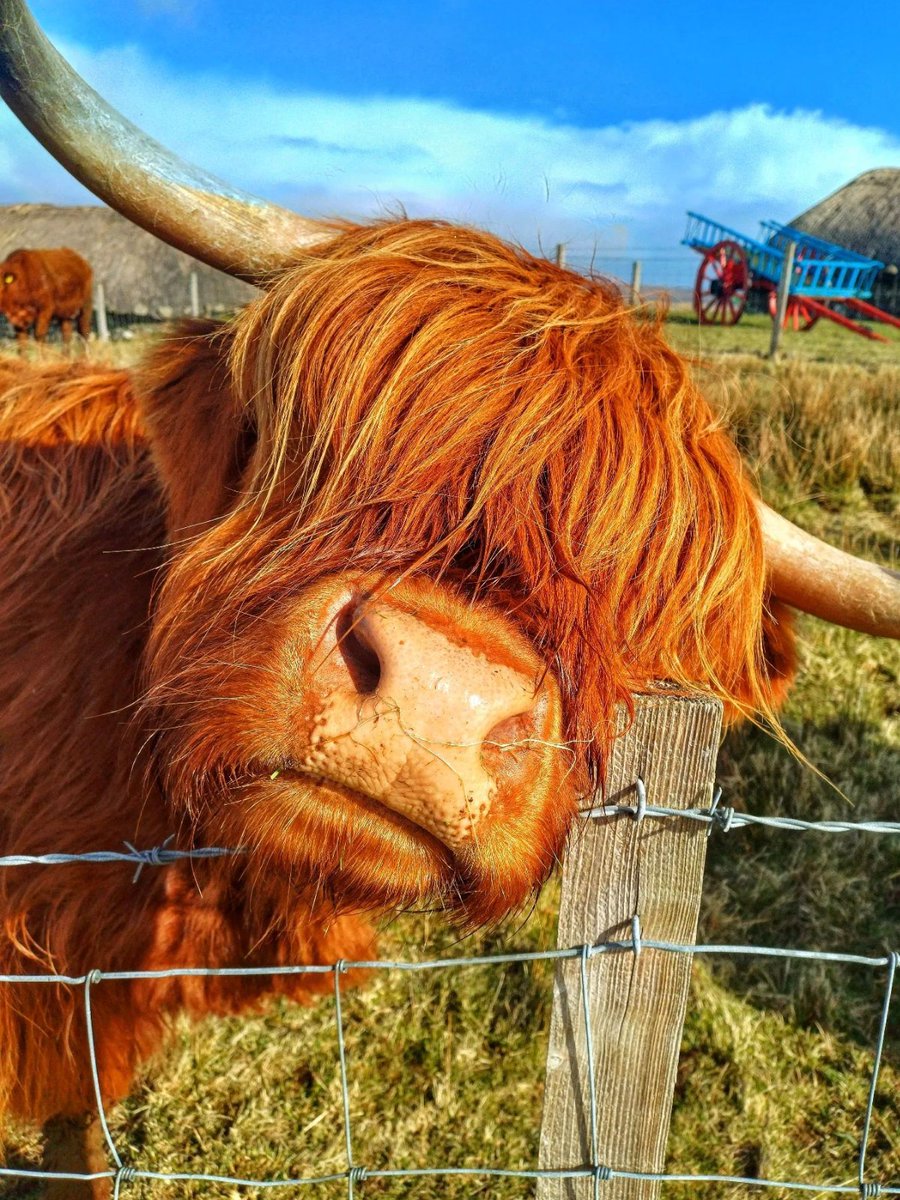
<point>446,1068</point>
<point>825,342</point>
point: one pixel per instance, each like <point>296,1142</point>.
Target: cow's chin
<point>351,854</point>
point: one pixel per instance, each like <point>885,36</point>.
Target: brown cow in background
<point>38,285</point>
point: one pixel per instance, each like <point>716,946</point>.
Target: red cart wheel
<point>723,280</point>
<point>798,315</point>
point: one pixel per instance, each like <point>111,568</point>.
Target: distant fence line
<point>109,323</point>
<point>113,323</point>
<point>673,272</point>
<point>662,272</point>
<point>629,273</point>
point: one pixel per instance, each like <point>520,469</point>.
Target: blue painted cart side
<point>838,272</point>
<point>702,234</point>
<point>779,235</point>
<point>821,269</point>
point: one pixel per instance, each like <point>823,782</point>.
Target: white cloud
<point>531,179</point>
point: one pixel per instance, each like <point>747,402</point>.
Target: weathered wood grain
<point>616,868</point>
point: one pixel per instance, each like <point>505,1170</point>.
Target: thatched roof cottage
<point>141,275</point>
<point>864,216</point>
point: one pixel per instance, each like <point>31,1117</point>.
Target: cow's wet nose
<point>425,719</point>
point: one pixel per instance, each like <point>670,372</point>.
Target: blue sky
<point>597,123</point>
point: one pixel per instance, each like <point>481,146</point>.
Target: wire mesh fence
<point>665,271</point>
<point>655,272</point>
<point>596,1171</point>
<point>129,316</point>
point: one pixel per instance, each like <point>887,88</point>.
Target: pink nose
<point>423,720</point>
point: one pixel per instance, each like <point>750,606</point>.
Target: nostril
<point>360,658</point>
<point>508,742</point>
<point>511,731</point>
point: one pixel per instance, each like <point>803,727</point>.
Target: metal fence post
<point>784,287</point>
<point>617,869</point>
<point>560,255</point>
<point>195,295</point>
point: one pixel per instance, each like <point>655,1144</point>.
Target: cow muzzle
<point>435,710</point>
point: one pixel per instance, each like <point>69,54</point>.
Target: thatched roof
<point>140,274</point>
<point>864,216</point>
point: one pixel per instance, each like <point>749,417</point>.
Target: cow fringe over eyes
<point>418,397</point>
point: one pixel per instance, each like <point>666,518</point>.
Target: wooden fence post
<point>635,284</point>
<point>784,287</point>
<point>195,295</point>
<point>617,868</point>
<point>560,255</point>
<point>100,310</point>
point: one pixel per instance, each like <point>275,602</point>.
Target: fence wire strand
<point>718,818</point>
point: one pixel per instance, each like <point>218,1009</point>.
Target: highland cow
<point>37,286</point>
<point>354,582</point>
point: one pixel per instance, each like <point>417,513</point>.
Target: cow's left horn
<point>193,211</point>
<point>819,579</point>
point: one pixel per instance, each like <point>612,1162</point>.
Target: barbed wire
<point>726,818</point>
<point>720,818</point>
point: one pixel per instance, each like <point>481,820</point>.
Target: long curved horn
<point>819,579</point>
<point>193,211</point>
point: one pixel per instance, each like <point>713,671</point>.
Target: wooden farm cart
<point>823,275</point>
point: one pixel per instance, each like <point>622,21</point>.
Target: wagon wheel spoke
<point>797,315</point>
<point>807,317</point>
<point>720,291</point>
<point>713,309</point>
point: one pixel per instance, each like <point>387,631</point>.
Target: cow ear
<point>200,438</point>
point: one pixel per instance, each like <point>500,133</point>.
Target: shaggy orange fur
<point>410,402</point>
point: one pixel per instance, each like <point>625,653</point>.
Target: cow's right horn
<point>193,211</point>
<point>827,582</point>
